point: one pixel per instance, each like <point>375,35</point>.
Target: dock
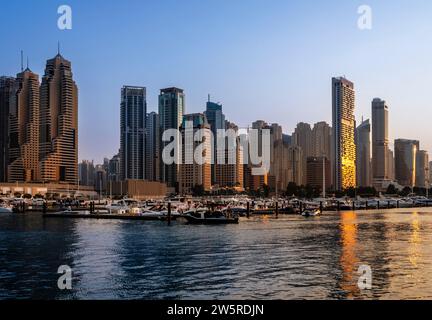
<point>103,216</point>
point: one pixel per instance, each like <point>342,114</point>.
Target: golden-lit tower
<point>58,123</point>
<point>344,148</point>
<point>24,128</point>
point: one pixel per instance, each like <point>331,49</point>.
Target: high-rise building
<point>229,173</point>
<point>363,158</point>
<point>192,173</point>
<point>422,169</point>
<point>281,165</point>
<point>380,141</point>
<point>114,168</point>
<point>133,112</point>
<point>24,129</point>
<point>86,170</point>
<point>344,149</point>
<point>6,89</point>
<point>216,120</point>
<point>321,140</point>
<point>295,165</point>
<point>318,168</point>
<point>171,111</point>
<point>152,147</point>
<point>302,137</point>
<point>58,152</point>
<point>405,161</point>
<point>391,165</point>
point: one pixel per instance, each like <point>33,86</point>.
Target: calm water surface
<point>261,258</point>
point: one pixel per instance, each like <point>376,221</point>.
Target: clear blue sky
<point>270,60</point>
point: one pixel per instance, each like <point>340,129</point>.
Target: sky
<point>270,60</point>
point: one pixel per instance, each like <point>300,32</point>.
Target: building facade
<point>363,158</point>
<point>344,149</point>
<point>380,141</point>
<point>133,112</point>
<point>24,129</point>
<point>318,172</point>
<point>405,161</point>
<point>6,89</point>
<point>152,147</point>
<point>196,141</point>
<point>229,171</point>
<point>58,152</point>
<point>422,169</point>
<point>171,111</point>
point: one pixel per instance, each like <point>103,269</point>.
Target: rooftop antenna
<point>209,97</point>
<point>22,61</point>
<point>58,47</point>
<point>28,63</point>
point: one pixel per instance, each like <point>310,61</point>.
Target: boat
<point>311,213</point>
<point>205,216</point>
<point>6,209</point>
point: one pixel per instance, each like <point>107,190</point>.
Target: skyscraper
<point>24,129</point>
<point>229,174</point>
<point>363,154</point>
<point>380,141</point>
<point>152,147</point>
<point>344,149</point>
<point>405,161</point>
<point>58,152</point>
<point>318,168</point>
<point>321,140</point>
<point>171,111</point>
<point>6,88</point>
<point>302,137</point>
<point>422,169</point>
<point>216,120</point>
<point>193,174</point>
<point>133,112</point>
<point>295,165</point>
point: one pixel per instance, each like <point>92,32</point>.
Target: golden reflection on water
<point>348,259</point>
<point>415,240</point>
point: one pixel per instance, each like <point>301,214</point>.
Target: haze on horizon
<point>270,61</point>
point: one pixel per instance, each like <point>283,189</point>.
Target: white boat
<point>119,207</point>
<point>311,213</point>
<point>6,209</point>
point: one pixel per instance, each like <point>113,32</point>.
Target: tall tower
<point>171,111</point>
<point>152,147</point>
<point>363,154</point>
<point>344,150</point>
<point>58,152</point>
<point>216,120</point>
<point>405,161</point>
<point>6,89</point>
<point>133,112</point>
<point>193,174</point>
<point>380,141</point>
<point>24,129</point>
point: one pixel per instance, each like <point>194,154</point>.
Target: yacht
<point>204,216</point>
<point>311,213</point>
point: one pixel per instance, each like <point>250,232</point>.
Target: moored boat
<point>207,217</point>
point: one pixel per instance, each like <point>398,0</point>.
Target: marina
<point>263,257</point>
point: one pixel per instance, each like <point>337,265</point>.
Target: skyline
<point>218,56</point>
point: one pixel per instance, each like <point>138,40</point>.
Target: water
<point>262,258</point>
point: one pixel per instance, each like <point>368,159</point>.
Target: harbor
<point>263,257</point>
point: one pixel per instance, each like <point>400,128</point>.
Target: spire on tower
<point>22,61</point>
